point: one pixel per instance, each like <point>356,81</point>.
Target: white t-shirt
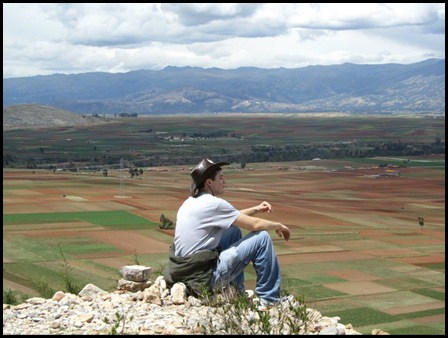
<point>200,223</point>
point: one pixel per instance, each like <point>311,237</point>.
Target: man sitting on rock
<point>209,249</point>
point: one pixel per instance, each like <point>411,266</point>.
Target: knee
<point>229,256</point>
<point>264,236</point>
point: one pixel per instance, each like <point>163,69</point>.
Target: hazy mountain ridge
<point>388,88</point>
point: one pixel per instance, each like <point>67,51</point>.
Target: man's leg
<point>255,247</point>
<point>236,277</point>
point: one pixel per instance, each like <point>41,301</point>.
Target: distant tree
<point>31,164</point>
<point>9,159</point>
<point>421,221</point>
<point>128,114</point>
<point>135,172</point>
<point>165,223</point>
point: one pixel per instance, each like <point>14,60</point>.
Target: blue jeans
<point>237,252</point>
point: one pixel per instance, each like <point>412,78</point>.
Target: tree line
<point>255,154</point>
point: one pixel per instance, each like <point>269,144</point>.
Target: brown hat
<point>202,171</point>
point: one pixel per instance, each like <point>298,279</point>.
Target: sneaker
<point>250,293</point>
<point>266,305</point>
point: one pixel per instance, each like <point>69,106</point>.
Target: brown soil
<point>325,210</point>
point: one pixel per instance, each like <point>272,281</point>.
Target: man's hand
<point>264,207</point>
<point>283,232</point>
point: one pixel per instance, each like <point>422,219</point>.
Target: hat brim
<point>207,171</point>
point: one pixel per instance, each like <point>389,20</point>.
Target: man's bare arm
<point>262,207</point>
<point>251,223</point>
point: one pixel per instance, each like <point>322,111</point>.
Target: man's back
<point>200,223</point>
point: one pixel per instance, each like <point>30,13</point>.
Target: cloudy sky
<point>69,38</point>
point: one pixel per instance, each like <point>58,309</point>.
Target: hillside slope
<point>35,116</point>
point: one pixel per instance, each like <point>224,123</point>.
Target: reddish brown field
<point>341,218</point>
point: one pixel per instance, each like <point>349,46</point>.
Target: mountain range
<point>351,88</point>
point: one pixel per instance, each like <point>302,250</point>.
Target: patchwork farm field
<point>357,249</point>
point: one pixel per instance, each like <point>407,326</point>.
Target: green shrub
<point>13,297</point>
<point>42,286</point>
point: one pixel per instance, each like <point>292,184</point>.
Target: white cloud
<point>48,38</point>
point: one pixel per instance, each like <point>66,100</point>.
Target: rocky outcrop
<point>159,310</point>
